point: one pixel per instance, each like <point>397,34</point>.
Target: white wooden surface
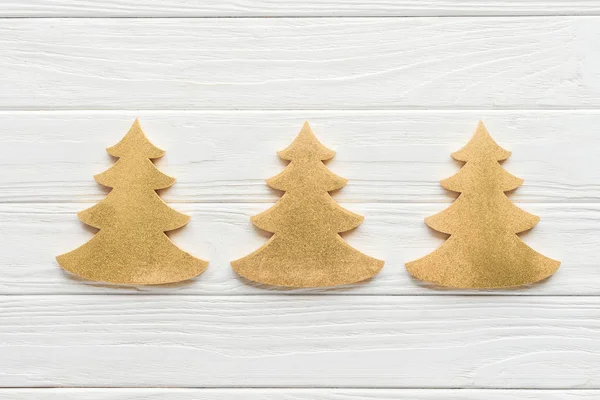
<point>295,394</point>
<point>222,232</point>
<point>394,94</point>
<point>301,341</point>
<point>293,8</point>
<point>300,63</point>
<point>225,156</point>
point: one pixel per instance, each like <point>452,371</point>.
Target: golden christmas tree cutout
<point>306,249</point>
<point>131,246</point>
<point>483,250</point>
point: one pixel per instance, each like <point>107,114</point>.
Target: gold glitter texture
<point>306,249</point>
<point>131,246</point>
<point>483,250</point>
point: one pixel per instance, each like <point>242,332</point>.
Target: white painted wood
<point>295,394</point>
<point>388,156</point>
<point>291,63</point>
<point>35,233</point>
<point>311,8</point>
<point>393,96</point>
<point>300,341</point>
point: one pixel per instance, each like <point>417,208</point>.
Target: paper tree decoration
<point>131,246</point>
<point>306,249</point>
<point>483,250</point>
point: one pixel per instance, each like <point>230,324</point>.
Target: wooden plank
<point>300,341</point>
<point>308,8</point>
<point>294,394</point>
<point>388,156</point>
<point>291,63</point>
<point>36,233</point>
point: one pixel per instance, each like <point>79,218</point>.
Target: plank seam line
<point>424,110</point>
<point>307,388</point>
<point>291,293</point>
<point>520,108</point>
<point>267,203</point>
<point>322,16</point>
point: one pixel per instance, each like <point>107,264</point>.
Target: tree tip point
<point>481,129</point>
<point>136,123</point>
<point>306,128</point>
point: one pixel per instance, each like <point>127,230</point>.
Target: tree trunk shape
<point>306,249</point>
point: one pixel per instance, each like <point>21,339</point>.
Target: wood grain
<point>308,63</point>
<point>394,97</point>
<point>310,8</point>
<point>300,341</point>
<point>36,233</point>
<point>294,394</point>
<point>226,156</point>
